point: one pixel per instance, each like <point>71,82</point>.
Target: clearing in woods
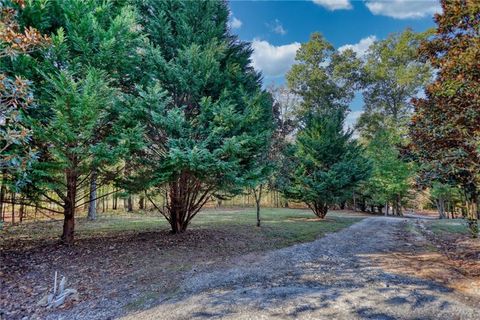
<point>358,267</point>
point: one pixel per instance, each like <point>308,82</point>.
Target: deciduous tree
<point>390,76</point>
<point>446,126</point>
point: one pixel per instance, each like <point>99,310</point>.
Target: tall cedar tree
<point>207,121</point>
<point>76,126</point>
<point>446,126</point>
<point>329,163</point>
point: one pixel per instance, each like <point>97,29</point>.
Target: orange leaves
<point>446,127</point>
<point>15,41</point>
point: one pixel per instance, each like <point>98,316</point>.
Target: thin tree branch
<point>91,200</point>
<point>159,210</point>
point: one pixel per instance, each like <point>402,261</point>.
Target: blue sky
<point>276,28</point>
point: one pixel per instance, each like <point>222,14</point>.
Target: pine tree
<point>207,122</point>
<point>329,163</point>
<point>81,93</point>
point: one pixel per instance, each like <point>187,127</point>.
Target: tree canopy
<point>207,122</point>
<point>329,164</point>
<point>446,125</point>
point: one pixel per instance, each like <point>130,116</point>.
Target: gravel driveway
<point>335,277</point>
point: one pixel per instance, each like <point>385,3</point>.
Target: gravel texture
<point>335,277</point>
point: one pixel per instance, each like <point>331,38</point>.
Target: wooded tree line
<point>158,99</point>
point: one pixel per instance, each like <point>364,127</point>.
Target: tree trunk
<point>320,209</point>
<point>22,209</point>
<point>115,201</point>
<point>92,205</point>
<point>69,208</point>
<point>13,208</point>
<point>354,202</point>
<point>441,207</point>
<point>176,207</point>
<point>258,199</point>
<point>186,197</point>
<point>3,191</point>
<point>104,199</point>
<point>129,203</point>
<point>177,220</point>
<point>141,202</point>
<point>399,205</point>
<point>68,226</point>
<point>472,210</point>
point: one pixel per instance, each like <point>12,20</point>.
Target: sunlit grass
<point>455,226</point>
<point>283,226</point>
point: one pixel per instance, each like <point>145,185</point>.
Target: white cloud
<point>334,4</point>
<point>361,47</point>
<point>272,60</point>
<point>234,23</point>
<point>404,9</point>
<point>277,27</point>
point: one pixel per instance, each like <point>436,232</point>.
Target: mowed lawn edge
<point>285,226</point>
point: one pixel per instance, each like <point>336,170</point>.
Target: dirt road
<point>339,276</point>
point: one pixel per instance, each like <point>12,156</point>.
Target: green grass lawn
<point>137,249</point>
<point>454,226</point>
<point>285,226</point>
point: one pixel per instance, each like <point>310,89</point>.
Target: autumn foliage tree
<point>445,129</point>
<point>15,92</point>
<point>16,98</point>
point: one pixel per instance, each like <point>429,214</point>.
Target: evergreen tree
<point>81,92</point>
<point>16,99</point>
<point>206,120</point>
<point>329,163</point>
<point>67,142</point>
